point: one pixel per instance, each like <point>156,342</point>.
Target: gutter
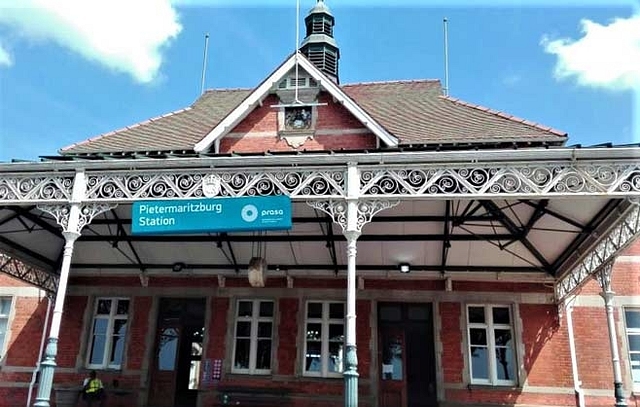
<point>572,350</point>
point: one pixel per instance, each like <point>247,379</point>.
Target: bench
<point>253,396</point>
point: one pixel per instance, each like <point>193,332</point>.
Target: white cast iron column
<point>351,214</point>
<point>604,279</point>
<point>72,218</point>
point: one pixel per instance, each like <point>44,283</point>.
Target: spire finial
<point>318,44</point>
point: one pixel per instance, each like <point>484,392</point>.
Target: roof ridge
<point>226,89</point>
<point>112,132</point>
<point>505,115</point>
<point>391,82</point>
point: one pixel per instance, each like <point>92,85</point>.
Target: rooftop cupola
<point>318,44</point>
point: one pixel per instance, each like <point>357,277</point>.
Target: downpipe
<point>572,349</point>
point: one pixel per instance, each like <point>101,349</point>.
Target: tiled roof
<point>414,111</point>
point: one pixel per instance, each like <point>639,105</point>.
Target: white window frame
<point>254,319</point>
<point>325,321</point>
<point>628,332</point>
<point>112,317</point>
<point>490,328</point>
<point>6,317</point>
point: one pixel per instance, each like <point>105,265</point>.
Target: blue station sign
<point>204,215</point>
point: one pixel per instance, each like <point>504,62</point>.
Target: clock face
<point>298,118</point>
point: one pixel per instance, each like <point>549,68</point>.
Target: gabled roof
<point>415,112</point>
<point>243,109</point>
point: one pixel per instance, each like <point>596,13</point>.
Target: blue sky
<point>71,71</point>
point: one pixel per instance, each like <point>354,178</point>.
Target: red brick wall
<point>332,116</point>
<point>138,332</point>
<point>26,331</point>
<point>546,346</point>
<point>288,334</point>
<point>451,338</point>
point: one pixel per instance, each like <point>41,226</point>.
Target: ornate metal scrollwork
<point>20,188</point>
<point>87,213</point>
<point>501,179</point>
<point>337,209</point>
<point>625,232</point>
<point>295,183</point>
<point>21,270</point>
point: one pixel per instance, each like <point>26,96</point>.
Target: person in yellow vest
<point>93,390</point>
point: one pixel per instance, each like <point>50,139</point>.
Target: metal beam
<point>518,233</point>
<point>122,232</point>
<point>554,214</point>
<point>26,213</point>
<point>417,268</point>
<point>225,236</point>
<point>296,238</point>
<point>27,252</point>
<point>445,242</point>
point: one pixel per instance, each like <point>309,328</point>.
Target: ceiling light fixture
<point>178,267</point>
<point>404,268</point>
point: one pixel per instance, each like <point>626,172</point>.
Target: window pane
<point>478,336</point>
<point>479,363</point>
<point>501,315</point>
<point>336,332</point>
<point>314,331</point>
<point>635,373</point>
<point>243,329</point>
<point>476,315</point>
<point>194,375</point>
<point>5,306</point>
<point>97,349</point>
<point>117,350</point>
<point>242,354</point>
<point>100,326</point>
<point>634,343</point>
<point>336,311</point>
<point>104,307</point>
<point>266,309</point>
<point>245,309</point>
<point>314,310</point>
<point>503,337</point>
<point>264,330</point>
<point>632,318</point>
<point>335,357</point>
<point>168,349</point>
<point>418,313</point>
<point>263,355</point>
<point>123,307</point>
<point>505,364</point>
<point>312,358</point>
<point>390,313</point>
<point>3,329</point>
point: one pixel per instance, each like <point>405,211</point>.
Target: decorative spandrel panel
<point>502,179</point>
<point>21,188</point>
<point>307,183</point>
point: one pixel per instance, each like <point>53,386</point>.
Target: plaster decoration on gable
<point>297,140</point>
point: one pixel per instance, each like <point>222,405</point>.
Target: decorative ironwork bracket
<point>603,254</point>
<point>337,210</point>
<point>34,275</point>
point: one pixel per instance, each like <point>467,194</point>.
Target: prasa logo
<point>272,212</point>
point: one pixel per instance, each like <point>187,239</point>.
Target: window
<point>108,332</point>
<point>324,342</point>
<point>632,323</point>
<point>253,337</point>
<point>5,307</point>
<point>491,348</point>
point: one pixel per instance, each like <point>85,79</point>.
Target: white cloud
<point>124,35</point>
<point>607,56</point>
<point>5,57</point>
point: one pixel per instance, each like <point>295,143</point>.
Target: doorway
<point>406,355</point>
<point>175,367</point>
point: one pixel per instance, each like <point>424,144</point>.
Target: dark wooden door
<point>175,368</point>
<point>391,354</point>
<point>405,333</point>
